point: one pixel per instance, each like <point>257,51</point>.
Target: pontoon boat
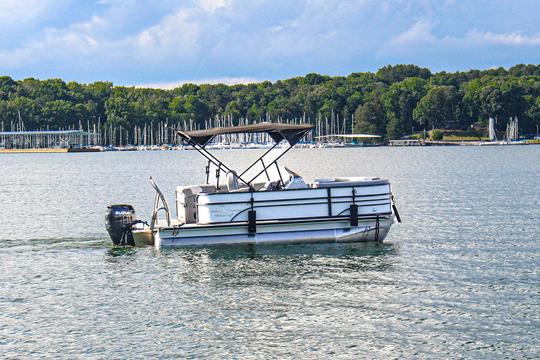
<point>265,203</point>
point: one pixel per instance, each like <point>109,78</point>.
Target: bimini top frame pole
<point>278,132</point>
<point>212,159</point>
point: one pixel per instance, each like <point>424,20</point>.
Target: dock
<point>49,141</point>
<point>14,151</point>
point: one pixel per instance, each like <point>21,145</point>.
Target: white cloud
<point>510,39</point>
<point>91,25</point>
<point>54,46</point>
<point>176,35</point>
<point>419,32</point>
<point>213,5</point>
<point>148,41</point>
<point>420,37</point>
<point>20,12</point>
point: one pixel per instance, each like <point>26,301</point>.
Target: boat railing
<point>326,202</point>
<point>160,204</point>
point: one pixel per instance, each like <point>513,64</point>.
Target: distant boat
<point>512,130</point>
<point>511,135</point>
<point>492,134</point>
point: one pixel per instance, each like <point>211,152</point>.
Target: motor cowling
<point>118,222</point>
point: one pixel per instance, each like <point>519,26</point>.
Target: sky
<point>164,43</point>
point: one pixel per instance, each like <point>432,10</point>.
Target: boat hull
<point>277,232</point>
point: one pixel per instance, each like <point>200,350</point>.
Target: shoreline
<point>234,147</point>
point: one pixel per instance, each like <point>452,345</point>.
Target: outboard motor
<point>118,222</point>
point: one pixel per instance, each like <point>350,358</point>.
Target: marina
<point>92,140</point>
<point>327,133</point>
<point>48,141</point>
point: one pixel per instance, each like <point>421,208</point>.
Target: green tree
<point>7,86</point>
<point>400,101</point>
<point>58,114</point>
<point>410,97</point>
<point>370,118</point>
<point>392,74</point>
<point>437,135</point>
<point>533,114</point>
<point>439,108</point>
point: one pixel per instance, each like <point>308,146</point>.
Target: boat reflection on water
<point>285,270</point>
<point>118,251</point>
<point>247,259</point>
<point>250,251</point>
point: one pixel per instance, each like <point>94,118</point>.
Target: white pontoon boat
<point>279,208</point>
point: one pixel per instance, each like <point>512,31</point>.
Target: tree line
<point>393,101</point>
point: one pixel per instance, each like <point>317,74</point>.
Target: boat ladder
<point>160,204</point>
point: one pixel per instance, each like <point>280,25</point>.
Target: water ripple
<point>458,279</point>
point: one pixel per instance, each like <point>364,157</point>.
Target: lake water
<point>459,278</point>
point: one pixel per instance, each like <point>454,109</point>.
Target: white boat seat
<point>186,205</point>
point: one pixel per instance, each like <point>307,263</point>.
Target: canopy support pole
<point>279,172</point>
<point>260,157</point>
<point>291,133</point>
<point>207,169</point>
<point>212,159</point>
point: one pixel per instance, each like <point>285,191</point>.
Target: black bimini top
<point>278,132</point>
